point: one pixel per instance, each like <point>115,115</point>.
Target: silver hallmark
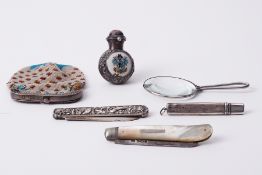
<point>105,113</point>
<point>203,109</point>
<point>160,135</point>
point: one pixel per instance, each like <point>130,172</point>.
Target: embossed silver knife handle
<point>170,133</point>
<point>104,113</point>
<point>203,108</point>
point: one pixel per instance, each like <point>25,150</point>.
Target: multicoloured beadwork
<point>47,79</point>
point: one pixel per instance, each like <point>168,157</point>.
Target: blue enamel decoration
<point>120,63</point>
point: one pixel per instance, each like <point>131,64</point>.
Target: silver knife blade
<point>156,143</point>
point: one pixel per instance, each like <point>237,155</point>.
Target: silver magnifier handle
<point>234,85</point>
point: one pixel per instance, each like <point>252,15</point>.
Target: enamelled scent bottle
<point>116,65</point>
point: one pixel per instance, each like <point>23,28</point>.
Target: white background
<point>204,41</point>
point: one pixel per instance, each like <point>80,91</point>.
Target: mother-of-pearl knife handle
<point>170,133</point>
<point>105,113</point>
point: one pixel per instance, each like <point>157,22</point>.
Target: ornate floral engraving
<point>106,111</point>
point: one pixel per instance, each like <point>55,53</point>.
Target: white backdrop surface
<point>206,42</point>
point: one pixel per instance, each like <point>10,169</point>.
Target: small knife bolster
<point>111,134</point>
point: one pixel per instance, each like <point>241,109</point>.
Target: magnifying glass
<point>175,87</point>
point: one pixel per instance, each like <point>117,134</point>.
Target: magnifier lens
<point>169,87</point>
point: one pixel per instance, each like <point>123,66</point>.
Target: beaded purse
<point>47,83</point>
